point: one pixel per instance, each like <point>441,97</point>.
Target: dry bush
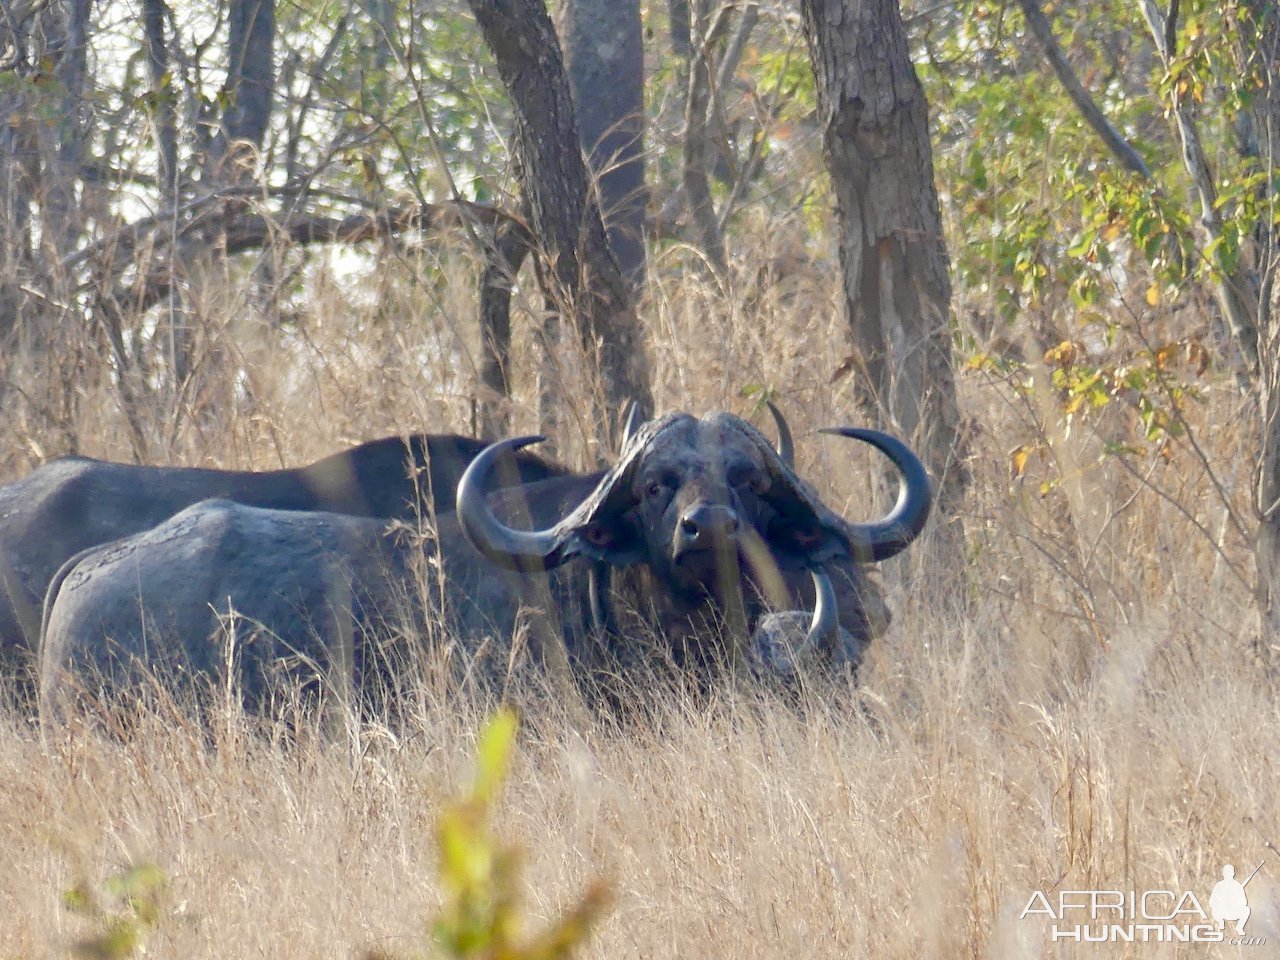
<point>1085,716</point>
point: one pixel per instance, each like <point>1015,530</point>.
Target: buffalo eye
<point>660,488</point>
<point>747,478</point>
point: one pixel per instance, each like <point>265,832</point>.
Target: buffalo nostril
<point>705,523</point>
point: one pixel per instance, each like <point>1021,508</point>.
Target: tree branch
<point>250,231</point>
<point>1123,151</point>
<point>1236,295</point>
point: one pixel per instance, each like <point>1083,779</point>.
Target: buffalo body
<point>74,503</point>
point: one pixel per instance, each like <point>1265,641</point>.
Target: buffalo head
<point>709,508</point>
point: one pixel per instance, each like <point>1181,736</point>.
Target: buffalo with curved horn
<point>702,520</point>
<point>699,521</point>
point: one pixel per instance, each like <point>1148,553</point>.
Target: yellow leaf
<point>1018,460</point>
<point>1063,355</point>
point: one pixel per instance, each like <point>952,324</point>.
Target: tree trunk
<point>588,285</point>
<point>604,54</point>
<point>17,156</point>
<point>679,28</point>
<point>248,96</point>
<point>1267,542</point>
<point>163,91</point>
<point>511,245</point>
<point>697,151</point>
<point>250,87</point>
<point>1259,37</point>
<point>62,144</point>
<point>897,288</point>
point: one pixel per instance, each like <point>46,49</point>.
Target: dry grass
<point>1087,717</point>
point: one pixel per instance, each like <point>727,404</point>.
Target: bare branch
<point>253,230</point>
<point>736,46</point>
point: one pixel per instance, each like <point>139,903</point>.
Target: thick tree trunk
<point>604,54</point>
<point>588,285</point>
<point>897,289</point>
<point>697,152</point>
<point>679,28</point>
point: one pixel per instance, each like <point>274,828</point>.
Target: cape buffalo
<point>74,503</point>
<point>700,522</point>
<point>265,601</point>
<point>254,600</point>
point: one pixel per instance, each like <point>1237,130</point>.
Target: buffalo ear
<point>615,541</point>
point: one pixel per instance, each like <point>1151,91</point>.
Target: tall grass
<point>1087,715</point>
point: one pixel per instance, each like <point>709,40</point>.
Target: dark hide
<point>260,604</point>
<point>263,602</point>
<point>312,592</point>
<point>74,503</point>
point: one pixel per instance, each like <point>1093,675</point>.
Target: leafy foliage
<point>1039,209</point>
<point>1151,387</point>
<point>126,907</point>
<point>481,876</point>
<point>1060,251</point>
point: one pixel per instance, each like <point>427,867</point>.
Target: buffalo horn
<point>524,550</point>
<point>786,446</point>
<point>894,533</point>
<point>826,612</point>
<point>597,587</point>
